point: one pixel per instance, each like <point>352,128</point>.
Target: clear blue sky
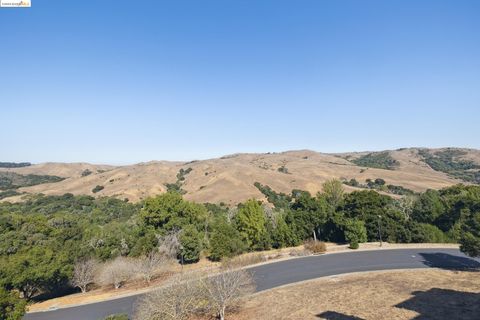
<point>128,81</point>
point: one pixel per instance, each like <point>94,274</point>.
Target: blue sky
<point>126,81</point>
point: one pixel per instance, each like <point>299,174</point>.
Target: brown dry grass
<point>230,179</point>
<point>414,294</point>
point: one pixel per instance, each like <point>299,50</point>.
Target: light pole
<point>380,229</point>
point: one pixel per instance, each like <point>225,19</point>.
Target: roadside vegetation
<point>50,245</point>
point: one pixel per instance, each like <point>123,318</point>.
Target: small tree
<point>225,241</point>
<point>470,245</point>
<point>147,266</point>
<point>224,289</point>
<point>470,239</point>
<point>355,232</point>
<point>250,221</point>
<point>333,191</point>
<point>84,273</point>
<point>180,298</point>
<point>191,242</point>
<point>116,272</point>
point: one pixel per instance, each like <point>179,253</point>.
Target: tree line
<point>45,241</point>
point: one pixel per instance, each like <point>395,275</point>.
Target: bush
<point>470,245</point>
<point>354,245</point>
<point>427,233</point>
<point>283,169</point>
<point>315,246</point>
<point>97,189</point>
<point>355,232</point>
<point>86,172</point>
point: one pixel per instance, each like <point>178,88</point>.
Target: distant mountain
<point>230,179</point>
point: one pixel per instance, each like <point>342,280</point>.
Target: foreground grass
<point>414,294</point>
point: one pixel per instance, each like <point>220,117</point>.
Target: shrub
<point>97,189</point>
<point>315,246</point>
<point>424,232</point>
<point>283,169</point>
<point>86,172</point>
<point>470,244</point>
<point>354,245</point>
<point>352,182</point>
<point>355,232</point>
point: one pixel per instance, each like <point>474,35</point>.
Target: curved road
<point>290,271</point>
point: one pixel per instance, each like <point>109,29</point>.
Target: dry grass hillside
<point>231,179</point>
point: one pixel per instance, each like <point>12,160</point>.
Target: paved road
<point>290,271</point>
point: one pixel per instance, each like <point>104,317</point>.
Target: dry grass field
<point>231,179</point>
<point>413,294</point>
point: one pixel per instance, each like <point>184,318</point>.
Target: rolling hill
<point>230,179</point>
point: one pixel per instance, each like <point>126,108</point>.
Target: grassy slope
<point>231,179</point>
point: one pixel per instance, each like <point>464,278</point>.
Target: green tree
<point>376,209</point>
<point>470,240</point>
<point>428,207</point>
<point>470,244</point>
<point>308,214</point>
<point>169,211</point>
<point>282,234</point>
<point>427,233</point>
<point>225,241</point>
<point>11,306</point>
<point>191,241</point>
<point>333,191</point>
<point>250,221</point>
<point>37,269</point>
<point>355,232</point>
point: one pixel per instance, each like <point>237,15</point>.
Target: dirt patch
<point>417,294</point>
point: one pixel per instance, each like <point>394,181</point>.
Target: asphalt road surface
<point>290,271</point>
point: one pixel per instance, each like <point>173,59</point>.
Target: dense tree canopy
<point>11,306</point>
